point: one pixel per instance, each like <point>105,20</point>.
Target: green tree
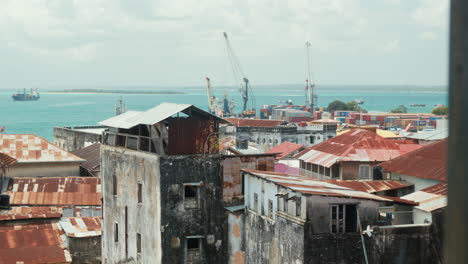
<point>400,109</point>
<point>337,105</point>
<point>440,110</point>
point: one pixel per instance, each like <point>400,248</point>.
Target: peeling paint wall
<point>130,169</point>
<point>290,235</point>
<point>261,244</point>
<point>232,165</point>
<point>44,169</point>
<point>236,237</point>
<point>85,249</point>
<point>70,139</point>
<point>182,219</point>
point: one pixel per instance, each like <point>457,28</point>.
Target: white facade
<point>419,183</point>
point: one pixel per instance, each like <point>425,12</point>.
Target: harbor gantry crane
<point>242,80</point>
<point>212,100</point>
<point>309,90</point>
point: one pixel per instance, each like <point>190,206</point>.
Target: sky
<point>164,43</point>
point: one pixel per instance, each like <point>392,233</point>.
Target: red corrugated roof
<point>6,160</point>
<point>55,191</point>
<point>17,213</point>
<point>440,189</point>
<point>284,149</point>
<point>428,162</point>
<point>370,186</point>
<point>32,243</point>
<point>244,122</point>
<point>400,200</point>
<point>32,148</point>
<point>356,145</point>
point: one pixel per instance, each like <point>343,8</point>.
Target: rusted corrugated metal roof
<point>356,145</point>
<point>32,148</point>
<point>81,226</point>
<point>285,149</point>
<point>6,160</point>
<point>155,115</point>
<point>33,243</point>
<point>92,156</point>
<point>244,122</point>
<point>313,187</point>
<point>55,191</point>
<point>370,186</point>
<point>325,121</point>
<point>400,200</point>
<point>428,162</point>
<point>431,198</point>
<point>17,213</point>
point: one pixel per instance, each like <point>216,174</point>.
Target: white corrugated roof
<point>428,202</point>
<point>430,135</point>
<point>150,117</point>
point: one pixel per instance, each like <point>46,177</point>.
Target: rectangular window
<point>114,184</point>
<point>285,204</point>
<point>270,208</point>
<point>140,194</point>
<point>193,253</point>
<point>298,206</point>
<point>138,238</point>
<point>255,205</point>
<point>343,218</point>
<point>191,194</point>
<point>116,232</point>
<point>364,171</point>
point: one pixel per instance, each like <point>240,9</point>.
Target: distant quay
<point>102,91</point>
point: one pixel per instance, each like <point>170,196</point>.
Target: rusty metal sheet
<point>428,162</point>
<point>285,149</point>
<point>244,122</point>
<point>55,191</point>
<point>356,145</point>
<point>36,212</point>
<point>440,189</point>
<point>33,243</point>
<point>6,160</point>
<point>81,226</point>
<point>32,148</point>
<point>193,135</point>
<point>92,156</point>
<point>306,185</point>
<point>370,186</point>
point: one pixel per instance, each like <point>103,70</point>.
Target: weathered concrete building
<point>288,216</point>
<point>351,156</point>
<point>270,133</point>
<point>162,179</point>
<point>36,157</point>
<point>72,138</point>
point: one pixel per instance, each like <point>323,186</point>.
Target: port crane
<point>243,81</point>
<point>309,89</point>
<point>224,108</point>
<point>212,100</point>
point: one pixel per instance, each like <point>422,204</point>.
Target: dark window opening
<point>132,143</point>
<point>298,207</point>
<point>270,208</point>
<point>120,141</point>
<point>116,232</point>
<point>285,204</point>
<point>190,191</point>
<point>144,144</point>
<point>138,243</point>
<point>126,231</point>
<point>140,194</point>
<point>312,140</point>
<point>343,218</point>
<point>191,196</point>
<point>193,243</point>
<point>114,184</point>
<point>255,206</point>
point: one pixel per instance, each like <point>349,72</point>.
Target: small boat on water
<point>33,96</point>
<point>417,105</point>
<point>359,101</point>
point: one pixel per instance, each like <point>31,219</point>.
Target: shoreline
<point>112,92</point>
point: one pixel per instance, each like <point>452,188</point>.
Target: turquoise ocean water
<point>59,109</point>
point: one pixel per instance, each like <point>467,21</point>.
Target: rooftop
<point>356,145</point>
<point>155,115</point>
<point>285,149</point>
<point>91,154</point>
<point>380,132</point>
<point>32,148</point>
<point>437,134</point>
<point>428,162</point>
<point>430,199</point>
<point>370,186</point>
<point>55,191</point>
<point>18,213</point>
<point>245,122</point>
<point>81,226</point>
<point>32,243</point>
<point>309,186</point>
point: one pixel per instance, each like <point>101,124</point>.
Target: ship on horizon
<point>33,96</point>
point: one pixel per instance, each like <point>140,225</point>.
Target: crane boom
<point>241,79</point>
<point>211,97</point>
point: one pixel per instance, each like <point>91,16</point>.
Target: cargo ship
<point>33,96</point>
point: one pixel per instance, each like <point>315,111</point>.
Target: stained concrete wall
<point>290,233</point>
<point>261,244</point>
<point>86,250</point>
<point>44,169</point>
<point>71,139</point>
<point>419,183</point>
<point>318,212</point>
<point>131,168</point>
<point>350,170</point>
<point>206,221</point>
<point>236,235</point>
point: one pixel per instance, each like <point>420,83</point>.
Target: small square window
<point>193,243</point>
<point>190,191</point>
